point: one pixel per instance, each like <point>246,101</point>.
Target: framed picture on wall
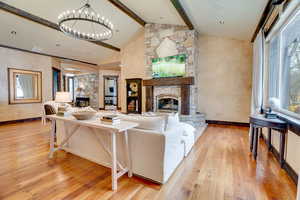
<point>24,86</point>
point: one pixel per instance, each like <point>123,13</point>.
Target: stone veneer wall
<point>162,40</point>
<point>90,85</point>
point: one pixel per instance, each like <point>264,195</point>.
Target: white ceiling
<point>240,19</point>
<point>33,36</point>
<point>46,38</point>
<point>240,16</point>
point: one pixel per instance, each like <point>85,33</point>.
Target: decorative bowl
<point>84,115</point>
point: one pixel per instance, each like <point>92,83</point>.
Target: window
<point>290,47</point>
<point>291,86</point>
<point>274,54</point>
<point>284,66</point>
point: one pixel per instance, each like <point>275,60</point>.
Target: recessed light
<point>13,32</point>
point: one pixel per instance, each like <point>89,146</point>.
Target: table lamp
<point>62,98</point>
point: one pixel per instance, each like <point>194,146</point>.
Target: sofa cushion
<point>173,120</point>
<point>165,117</point>
<point>155,123</point>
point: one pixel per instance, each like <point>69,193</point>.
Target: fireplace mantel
<point>183,82</point>
<point>169,81</point>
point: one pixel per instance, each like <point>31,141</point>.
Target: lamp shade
<point>63,97</point>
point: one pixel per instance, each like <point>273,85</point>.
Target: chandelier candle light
<point>85,24</point>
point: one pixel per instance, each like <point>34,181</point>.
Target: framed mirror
<point>24,86</point>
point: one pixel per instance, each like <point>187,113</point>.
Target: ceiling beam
<point>44,22</point>
<point>128,12</point>
<point>106,45</point>
<point>268,9</point>
<point>182,14</point>
<point>44,54</point>
<point>116,68</point>
<point>78,67</point>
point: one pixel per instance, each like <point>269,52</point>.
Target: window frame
<point>278,30</point>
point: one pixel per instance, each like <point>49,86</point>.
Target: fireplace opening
<point>168,104</point>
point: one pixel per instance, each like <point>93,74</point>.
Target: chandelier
<point>85,24</point>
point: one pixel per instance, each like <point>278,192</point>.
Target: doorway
<point>110,92</point>
<point>71,88</point>
<point>56,81</point>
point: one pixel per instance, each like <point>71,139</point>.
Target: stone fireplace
<point>162,40</point>
<point>169,89</point>
<point>172,95</point>
<point>167,103</point>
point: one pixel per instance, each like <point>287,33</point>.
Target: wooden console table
<point>258,122</point>
<point>95,125</point>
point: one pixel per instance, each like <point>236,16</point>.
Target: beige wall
<point>224,77</point>
<point>133,65</point>
<point>115,57</point>
<point>101,85</point>
<point>16,59</point>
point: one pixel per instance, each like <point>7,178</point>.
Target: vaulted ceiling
<point>228,18</point>
<point>235,19</point>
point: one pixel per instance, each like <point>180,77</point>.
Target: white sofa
<point>156,148</point>
<point>155,155</point>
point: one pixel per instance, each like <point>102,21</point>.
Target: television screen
<point>171,66</point>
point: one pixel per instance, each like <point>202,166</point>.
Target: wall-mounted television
<point>171,66</point>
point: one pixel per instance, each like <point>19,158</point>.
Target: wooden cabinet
<point>134,95</point>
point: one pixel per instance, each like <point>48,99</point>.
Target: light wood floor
<point>219,167</point>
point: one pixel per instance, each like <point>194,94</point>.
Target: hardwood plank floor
<point>219,167</point>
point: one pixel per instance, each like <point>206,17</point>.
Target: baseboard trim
<point>118,108</point>
<point>20,121</point>
<point>228,123</point>
<point>287,167</point>
<point>291,172</point>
